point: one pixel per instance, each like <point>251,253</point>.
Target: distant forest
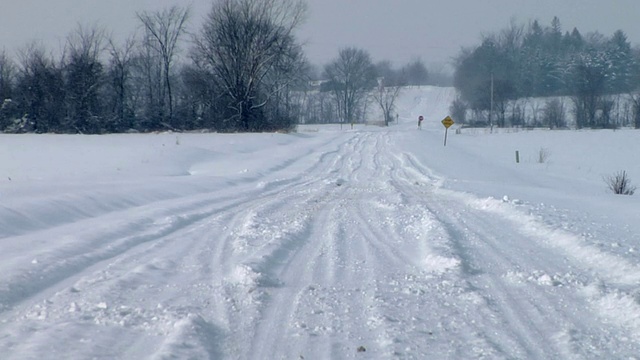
<point>541,61</point>
<point>244,70</point>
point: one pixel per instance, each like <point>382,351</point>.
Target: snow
<point>369,243</point>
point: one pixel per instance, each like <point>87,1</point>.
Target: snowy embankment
<point>367,243</point>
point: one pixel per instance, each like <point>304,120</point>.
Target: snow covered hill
<point>431,102</point>
<point>372,243</point>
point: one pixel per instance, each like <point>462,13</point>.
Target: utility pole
<point>491,110</point>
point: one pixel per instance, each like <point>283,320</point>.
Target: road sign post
<point>447,122</point>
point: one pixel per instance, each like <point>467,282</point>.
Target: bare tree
<point>589,80</point>
<point>163,30</point>
<point>248,48</point>
<point>7,73</point>
<point>120,73</point>
<point>283,107</point>
<point>458,110</point>
<point>84,77</point>
<point>352,75</point>
<point>148,85</point>
<point>39,90</point>
<point>635,109</point>
<point>553,114</point>
<point>7,78</point>
<point>385,97</point>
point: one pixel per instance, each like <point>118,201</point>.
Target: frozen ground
<point>372,243</point>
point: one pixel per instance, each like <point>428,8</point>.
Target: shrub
<point>458,110</point>
<point>620,183</point>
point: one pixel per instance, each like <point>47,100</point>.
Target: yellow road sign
<point>447,122</point>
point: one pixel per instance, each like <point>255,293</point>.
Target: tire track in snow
<point>361,249</point>
<point>278,321</point>
<point>194,213</point>
<point>141,224</point>
<point>335,260</point>
<point>351,286</point>
<point>254,269</point>
<point>26,214</point>
<point>522,283</point>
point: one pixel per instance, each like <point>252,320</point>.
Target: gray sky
<point>396,30</point>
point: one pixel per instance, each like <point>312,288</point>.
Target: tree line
<point>542,61</point>
<point>243,70</point>
<point>352,82</point>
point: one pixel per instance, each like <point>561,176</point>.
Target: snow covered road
<point>338,245</point>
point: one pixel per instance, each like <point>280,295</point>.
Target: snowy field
<point>371,243</point>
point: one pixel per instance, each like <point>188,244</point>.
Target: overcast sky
<point>396,30</point>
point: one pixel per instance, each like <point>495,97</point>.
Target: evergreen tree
<point>621,63</point>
